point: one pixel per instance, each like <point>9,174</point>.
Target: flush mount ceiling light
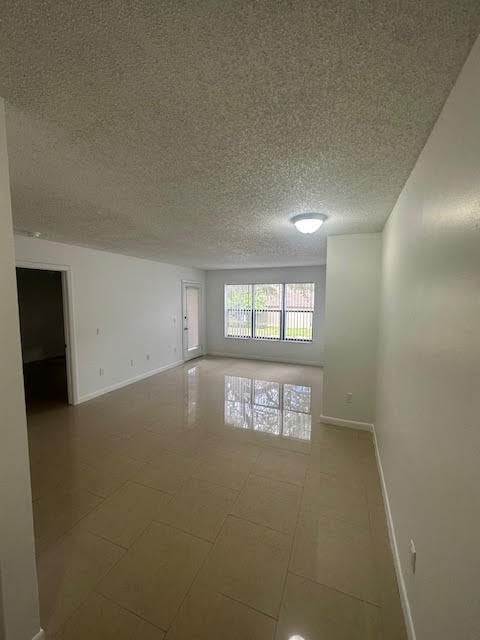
<point>309,222</point>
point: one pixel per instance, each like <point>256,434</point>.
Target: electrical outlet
<point>413,556</point>
<point>148,356</point>
<point>131,363</point>
<point>102,371</point>
<point>349,397</point>
<point>98,331</point>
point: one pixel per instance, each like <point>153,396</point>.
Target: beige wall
<point>351,312</point>
<point>428,423</point>
<point>17,564</point>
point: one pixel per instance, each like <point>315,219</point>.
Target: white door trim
<point>68,321</point>
<point>200,351</point>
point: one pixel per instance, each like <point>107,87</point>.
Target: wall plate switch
<point>349,397</point>
<point>413,556</point>
<point>131,363</point>
<point>101,372</point>
<point>148,356</point>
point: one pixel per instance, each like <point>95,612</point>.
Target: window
<point>299,299</point>
<point>238,310</point>
<point>267,318</point>
<point>270,311</point>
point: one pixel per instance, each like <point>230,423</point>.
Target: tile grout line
<point>102,503</point>
<point>93,589</point>
<point>130,611</point>
<point>259,524</point>
<point>291,551</point>
<point>189,590</point>
<point>156,520</point>
<point>292,484</point>
<point>344,593</point>
<point>248,606</point>
<point>69,530</point>
<point>210,552</point>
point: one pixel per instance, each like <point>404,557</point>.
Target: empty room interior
<point>239,320</point>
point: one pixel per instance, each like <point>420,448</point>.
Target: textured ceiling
<point>190,132</point>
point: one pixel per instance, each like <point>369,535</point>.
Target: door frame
<point>200,350</point>
<point>68,321</point>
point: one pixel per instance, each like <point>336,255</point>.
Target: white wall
<point>308,353</point>
<point>18,581</point>
<point>428,421</point>
<point>351,326</point>
<point>135,304</point>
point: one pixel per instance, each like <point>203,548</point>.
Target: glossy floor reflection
<point>270,407</point>
<point>210,502</point>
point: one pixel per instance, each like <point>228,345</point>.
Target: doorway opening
<point>44,337</point>
<point>192,320</point>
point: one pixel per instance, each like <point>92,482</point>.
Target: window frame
<point>283,312</point>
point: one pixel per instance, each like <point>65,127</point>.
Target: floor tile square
<point>227,471</point>
<point>269,502</point>
<point>154,576</point>
<point>169,472</point>
<point>336,554</point>
<point>280,464</point>
<point>310,610</point>
<point>143,445</point>
<point>67,573</point>
<point>340,458</point>
<point>101,619</point>
<point>108,476</point>
<point>58,511</point>
<point>200,508</point>
<point>123,516</point>
<point>335,497</point>
<point>249,564</point>
<point>207,615</point>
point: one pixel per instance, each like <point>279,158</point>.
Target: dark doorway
<point>42,329</point>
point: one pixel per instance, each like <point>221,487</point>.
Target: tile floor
<point>210,502</point>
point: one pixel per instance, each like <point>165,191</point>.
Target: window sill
<point>291,341</point>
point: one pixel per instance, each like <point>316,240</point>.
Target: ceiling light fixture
<point>309,222</point>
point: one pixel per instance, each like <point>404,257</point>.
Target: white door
<point>192,331</point>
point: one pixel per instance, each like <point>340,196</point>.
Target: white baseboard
<point>407,613</point>
<point>124,383</point>
<point>40,635</point>
<point>241,356</point>
<point>351,424</point>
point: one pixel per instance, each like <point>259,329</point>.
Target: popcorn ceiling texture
<point>190,132</point>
